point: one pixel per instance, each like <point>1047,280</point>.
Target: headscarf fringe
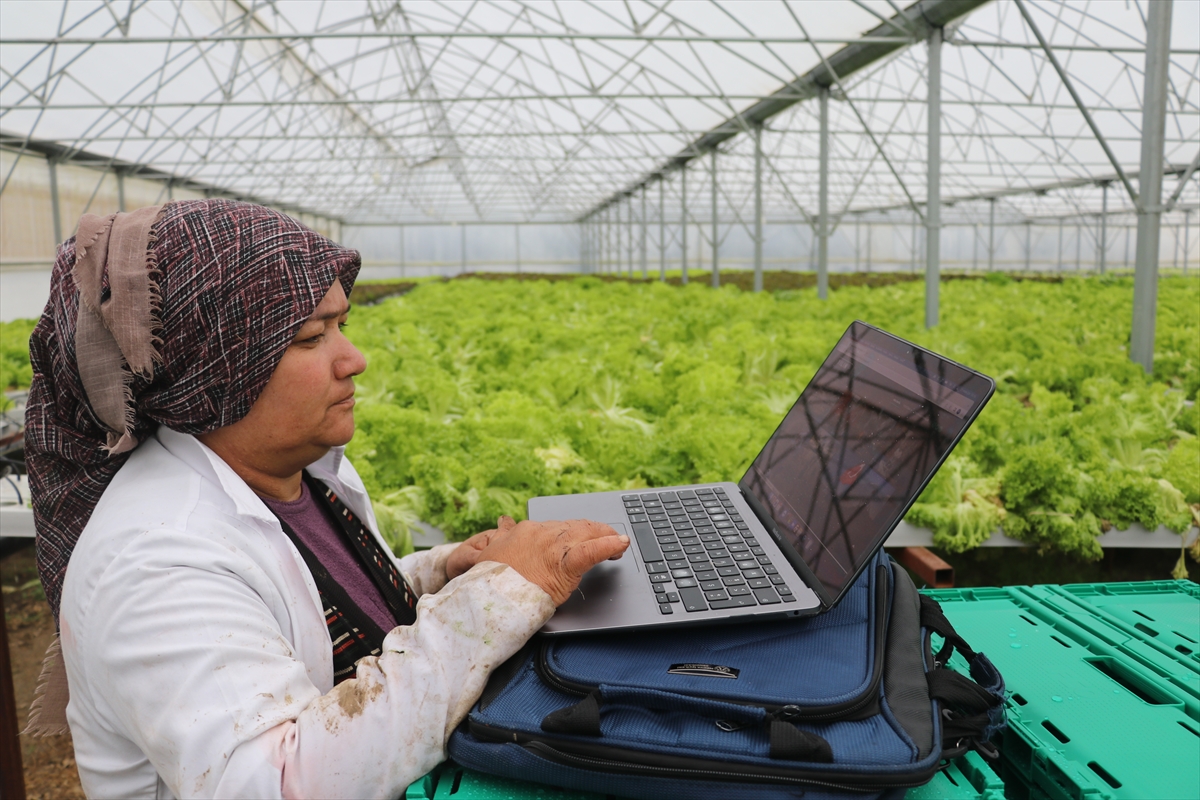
<point>48,711</point>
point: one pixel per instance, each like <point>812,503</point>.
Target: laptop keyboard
<point>700,554</point>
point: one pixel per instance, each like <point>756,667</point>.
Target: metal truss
<point>521,111</point>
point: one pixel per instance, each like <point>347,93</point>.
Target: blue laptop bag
<point>849,703</point>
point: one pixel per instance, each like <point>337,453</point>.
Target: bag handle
<point>973,708</point>
<point>787,742</point>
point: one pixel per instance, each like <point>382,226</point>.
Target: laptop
<point>848,460</point>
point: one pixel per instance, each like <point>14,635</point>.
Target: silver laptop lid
<point>854,452</point>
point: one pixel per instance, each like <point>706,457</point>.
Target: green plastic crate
<point>449,781</point>
<point>1122,640</point>
<point>965,778</point>
<point>1162,613</point>
<point>1087,722</point>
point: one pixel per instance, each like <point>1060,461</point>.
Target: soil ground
<point>49,762</point>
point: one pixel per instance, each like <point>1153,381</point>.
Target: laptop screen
<point>856,449</point>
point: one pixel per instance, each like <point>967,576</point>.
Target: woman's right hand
<point>553,555</point>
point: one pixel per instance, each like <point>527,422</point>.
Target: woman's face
<point>307,406</point>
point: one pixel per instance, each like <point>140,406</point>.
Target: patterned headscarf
<point>172,316</point>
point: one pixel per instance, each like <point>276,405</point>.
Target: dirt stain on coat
<point>352,696</point>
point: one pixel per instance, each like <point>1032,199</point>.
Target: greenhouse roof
<point>519,111</point>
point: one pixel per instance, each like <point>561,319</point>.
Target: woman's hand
<point>553,555</point>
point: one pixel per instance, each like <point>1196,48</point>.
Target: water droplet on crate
<point>1012,635</point>
<point>1015,645</point>
<point>1056,698</point>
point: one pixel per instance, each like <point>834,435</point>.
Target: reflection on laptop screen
<point>870,428</point>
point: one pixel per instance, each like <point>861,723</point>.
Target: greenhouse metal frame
<point>645,136</point>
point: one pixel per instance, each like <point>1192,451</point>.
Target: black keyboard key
<point>656,567</point>
<point>759,583</point>
<point>646,543</point>
<point>736,518</point>
<point>764,560</point>
<point>676,561</point>
<point>712,586</point>
<point>709,537</point>
<point>722,562</point>
<point>783,589</point>
<point>686,493</point>
<point>741,526</point>
<point>667,496</point>
<point>718,594</point>
<point>657,516</point>
<point>693,599</point>
<point>659,587</point>
<point>753,573</point>
<point>734,580</point>
<point>718,491</point>
<point>749,541</point>
<point>698,558</point>
<point>681,573</point>
<point>727,571</point>
<point>718,545</point>
<point>738,591</point>
<point>686,540</point>
<point>665,608</point>
<point>758,551</point>
<point>777,579</point>
<point>628,497</point>
<point>685,583</point>
<point>787,598</point>
<point>738,548</point>
<point>766,596</point>
<point>703,491</point>
<point>706,575</point>
<point>693,548</point>
<point>745,558</point>
<point>722,525</point>
<point>745,601</point>
<point>672,597</point>
<point>661,577</point>
<point>660,524</point>
<point>672,547</point>
<point>682,527</point>
<point>770,569</point>
<point>699,516</point>
<point>706,528</point>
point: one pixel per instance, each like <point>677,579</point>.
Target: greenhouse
<point>605,245</point>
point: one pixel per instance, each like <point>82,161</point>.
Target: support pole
<point>12,772</point>
<point>857,243</point>
<point>823,198</point>
<point>662,229</point>
<point>716,277</point>
<point>120,191</point>
<point>618,255</point>
<point>1102,242</point>
<point>870,227</point>
<point>683,223</point>
<point>517,239</point>
<point>644,190</point>
<point>1028,245</point>
<point>1059,265</point>
<point>56,213</point>
<point>1149,202</point>
<point>1078,246</point>
<point>402,258</point>
<point>1187,218</point>
<point>991,233</point>
<point>974,246</point>
<point>758,209</point>
<point>933,174</point>
<point>462,246</point>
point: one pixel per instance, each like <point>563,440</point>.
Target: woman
<point>230,622</point>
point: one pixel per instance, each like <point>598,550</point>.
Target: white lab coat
<point>200,665</point>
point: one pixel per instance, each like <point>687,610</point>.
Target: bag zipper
<point>789,712</point>
<point>620,763</point>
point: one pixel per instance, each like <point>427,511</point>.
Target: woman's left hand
<point>466,555</point>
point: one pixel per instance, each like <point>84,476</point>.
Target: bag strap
<point>787,742</point>
<point>972,708</point>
